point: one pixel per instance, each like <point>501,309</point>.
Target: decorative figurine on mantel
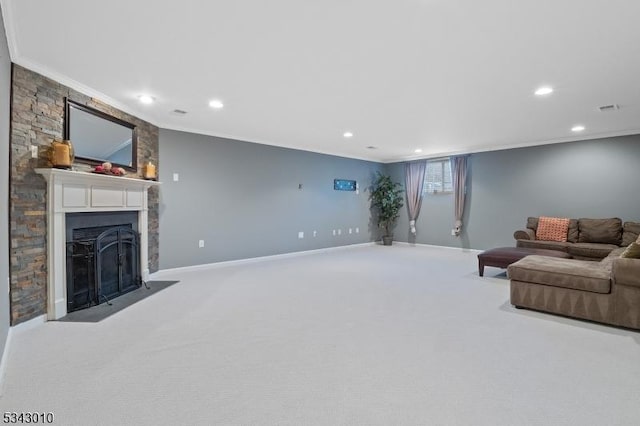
<point>108,169</point>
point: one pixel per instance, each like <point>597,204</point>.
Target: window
<point>437,178</point>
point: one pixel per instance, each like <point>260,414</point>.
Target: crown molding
<point>9,28</point>
<point>166,126</point>
<point>82,88</point>
<point>502,147</point>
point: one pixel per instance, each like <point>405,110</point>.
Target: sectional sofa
<point>587,239</point>
<point>605,290</point>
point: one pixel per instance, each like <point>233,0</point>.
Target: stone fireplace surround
<point>37,118</point>
<point>74,192</point>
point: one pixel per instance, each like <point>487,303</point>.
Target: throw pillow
<point>552,229</point>
<point>632,252</point>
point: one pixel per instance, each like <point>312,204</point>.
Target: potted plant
<point>386,200</point>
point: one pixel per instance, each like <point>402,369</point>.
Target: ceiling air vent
<point>607,108</point>
<point>179,112</point>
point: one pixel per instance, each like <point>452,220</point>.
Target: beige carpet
<point>364,336</point>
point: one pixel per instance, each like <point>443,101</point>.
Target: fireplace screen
<point>102,263</point>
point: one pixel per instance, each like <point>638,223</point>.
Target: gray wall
<point>5,89</point>
<point>597,178</point>
<point>243,200</point>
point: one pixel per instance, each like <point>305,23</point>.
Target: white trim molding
<point>76,192</point>
<point>24,326</point>
<point>226,263</point>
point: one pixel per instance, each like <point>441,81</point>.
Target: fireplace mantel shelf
<point>71,176</point>
<point>81,192</point>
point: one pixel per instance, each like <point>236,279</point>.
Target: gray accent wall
<point>595,178</point>
<point>5,94</point>
<point>243,199</point>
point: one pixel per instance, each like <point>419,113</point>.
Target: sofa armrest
<point>626,271</point>
<point>525,234</point>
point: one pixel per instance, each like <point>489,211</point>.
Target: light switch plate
<point>176,177</point>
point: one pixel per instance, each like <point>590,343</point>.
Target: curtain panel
<point>414,183</point>
<point>459,189</point>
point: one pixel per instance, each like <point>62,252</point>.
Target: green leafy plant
<point>386,200</point>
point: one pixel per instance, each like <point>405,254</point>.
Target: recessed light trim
<point>577,128</point>
<point>347,135</point>
<point>216,104</point>
<point>418,150</point>
<point>146,99</point>
<point>544,91</point>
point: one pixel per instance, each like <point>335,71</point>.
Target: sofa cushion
<point>607,262</point>
<point>573,234</point>
<point>606,231</point>
<point>632,252</point>
<point>552,229</point>
<point>566,273</point>
<point>548,245</point>
<point>590,250</point>
<point>630,233</point>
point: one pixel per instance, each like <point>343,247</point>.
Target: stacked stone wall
<point>37,118</point>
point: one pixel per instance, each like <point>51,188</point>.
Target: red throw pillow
<point>552,229</point>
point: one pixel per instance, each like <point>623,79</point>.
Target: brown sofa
<point>607,291</point>
<point>587,239</point>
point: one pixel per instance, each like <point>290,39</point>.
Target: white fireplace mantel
<point>73,192</point>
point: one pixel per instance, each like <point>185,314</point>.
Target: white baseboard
<point>465,250</point>
<point>223,264</point>
<point>28,325</point>
<point>24,326</point>
<point>3,361</point>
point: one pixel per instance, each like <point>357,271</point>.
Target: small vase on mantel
<point>149,171</point>
<point>61,154</point>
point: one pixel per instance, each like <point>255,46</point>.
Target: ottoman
<point>502,257</point>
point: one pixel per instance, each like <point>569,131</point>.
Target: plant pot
<point>387,241</point>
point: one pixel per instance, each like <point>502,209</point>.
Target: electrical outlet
<point>200,243</point>
<point>315,234</point>
<point>357,230</point>
<point>453,232</point>
<point>34,151</point>
<point>334,232</point>
<point>350,230</point>
<point>176,177</point>
<point>339,231</point>
<point>300,235</point>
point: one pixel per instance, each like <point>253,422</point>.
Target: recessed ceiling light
<point>146,99</point>
<point>347,134</point>
<point>542,91</point>
<point>577,128</point>
<point>418,151</point>
<point>216,104</point>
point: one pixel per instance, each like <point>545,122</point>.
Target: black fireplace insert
<point>103,262</point>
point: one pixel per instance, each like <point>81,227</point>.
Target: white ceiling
<point>446,76</point>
